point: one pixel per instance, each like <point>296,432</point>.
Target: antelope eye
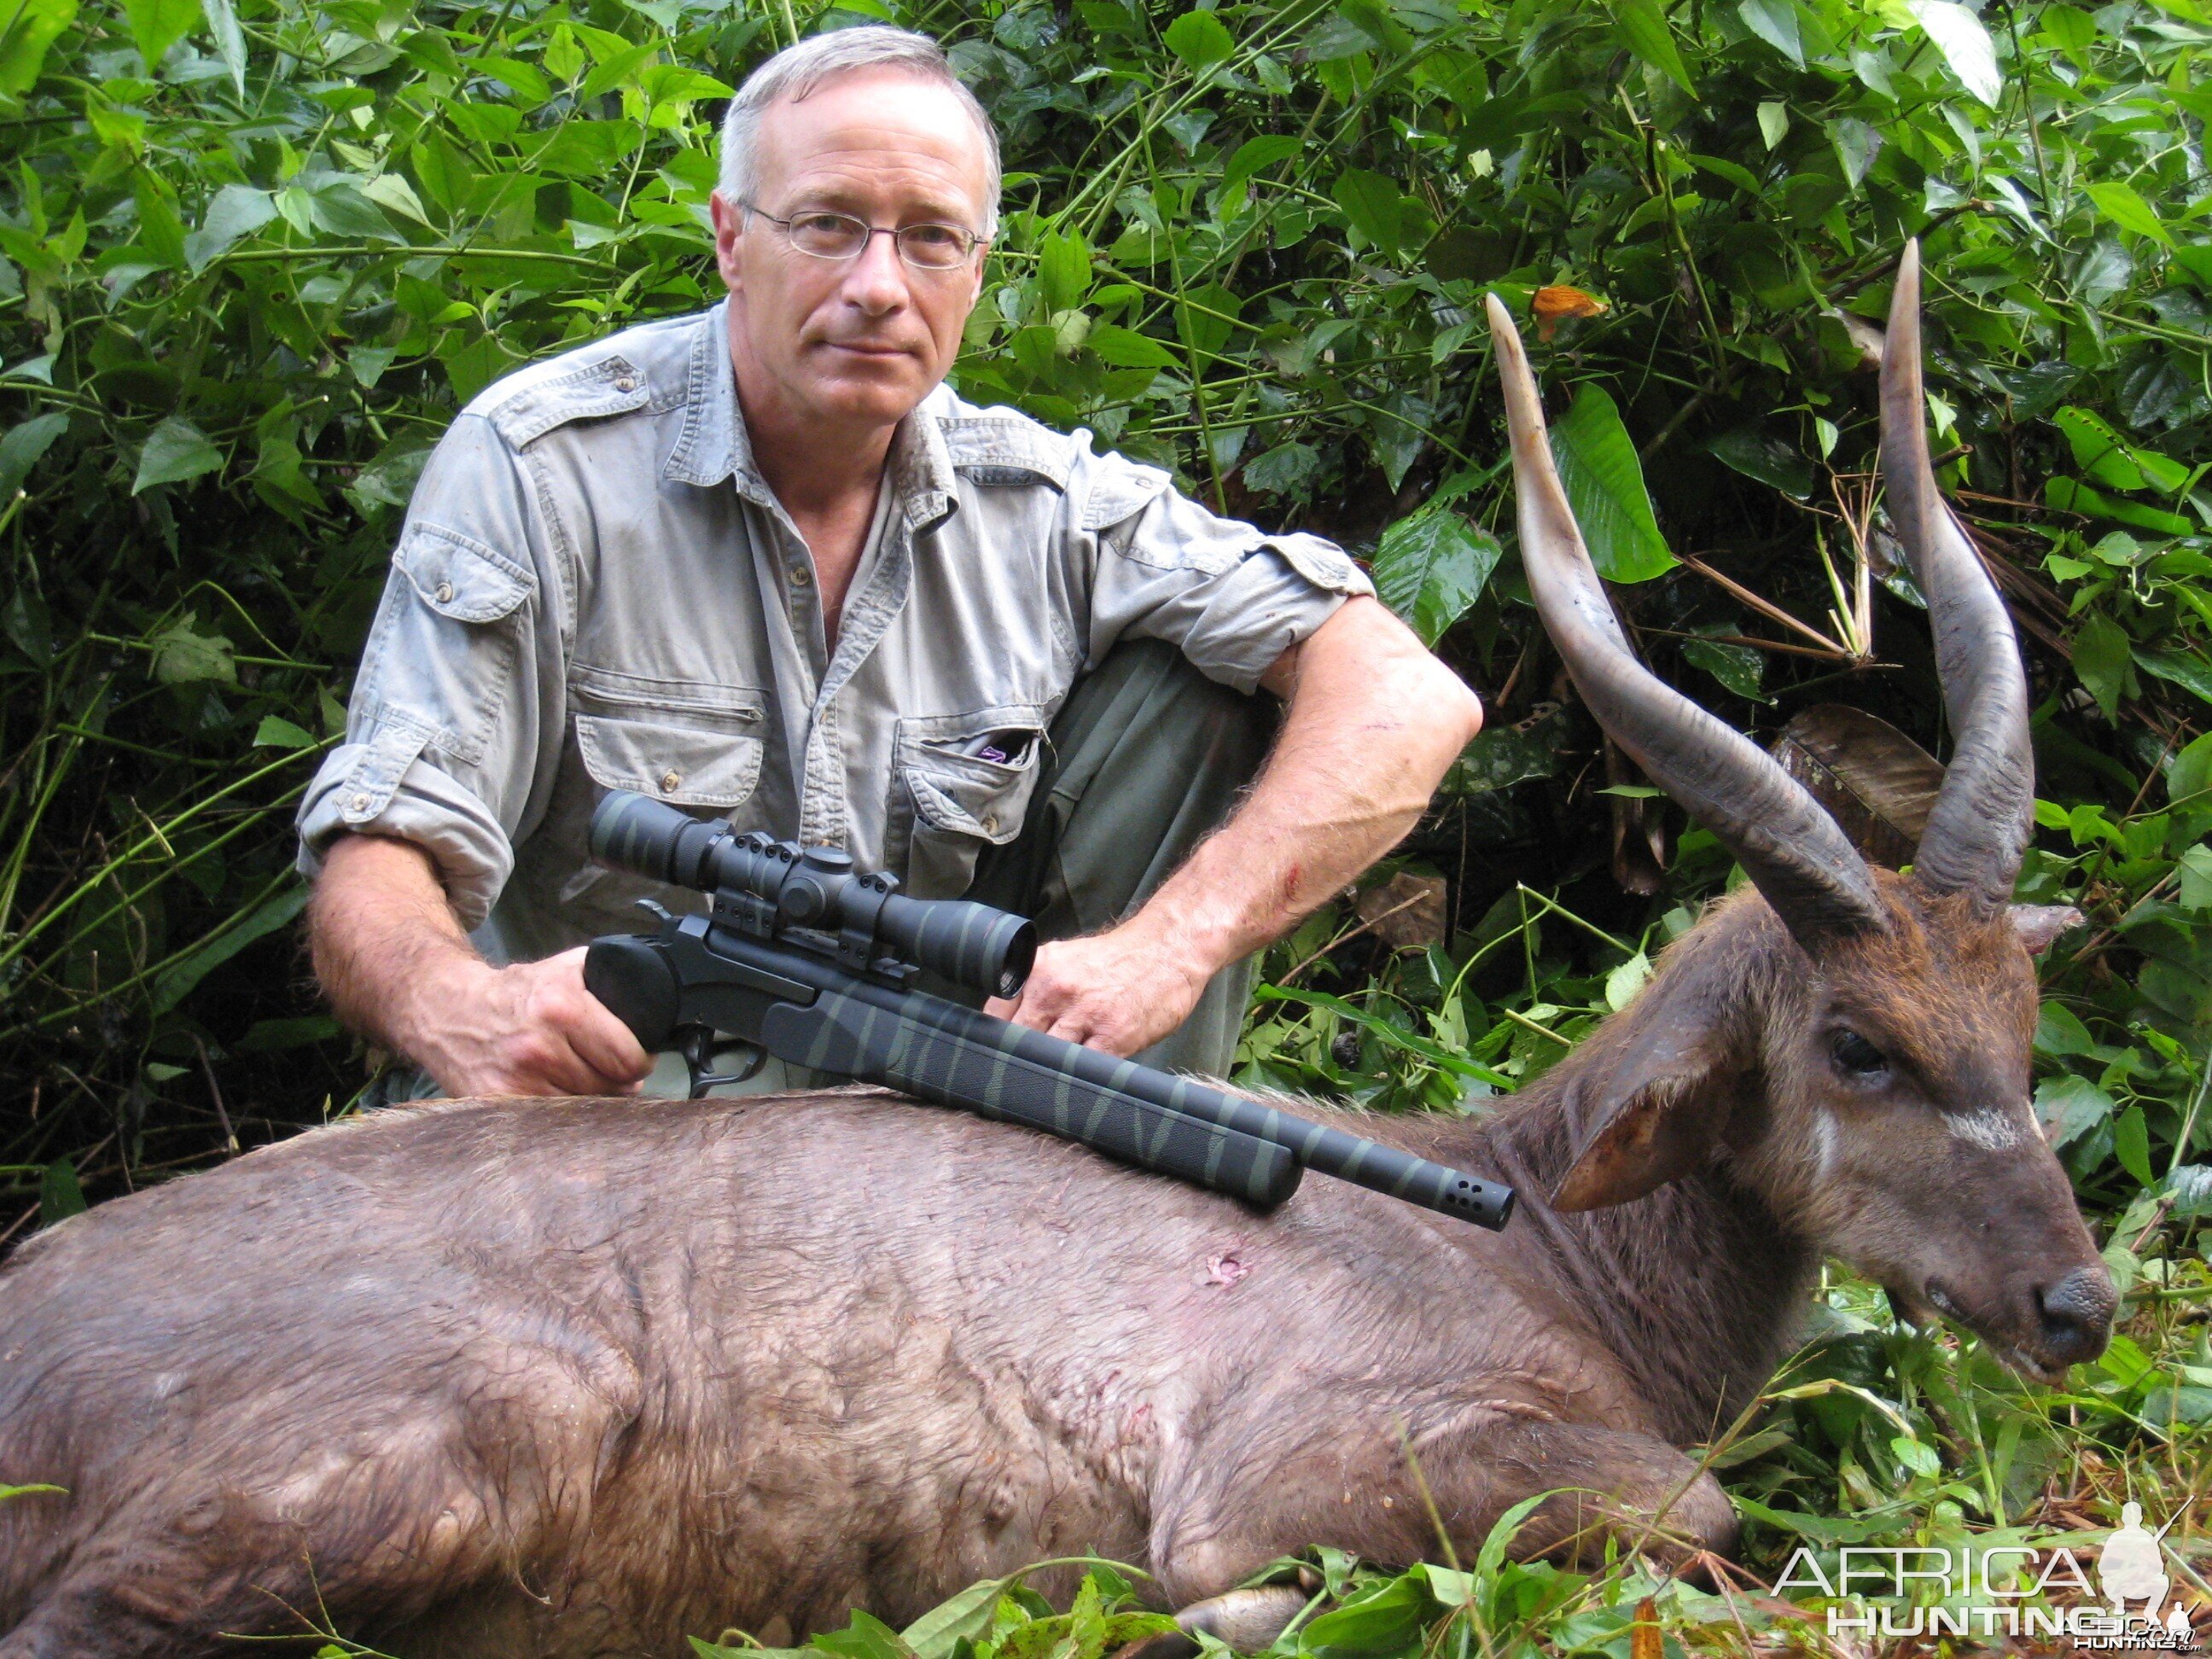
<point>1856,1058</point>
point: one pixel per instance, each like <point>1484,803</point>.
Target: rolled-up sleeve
<point>1232,597</point>
<point>443,733</point>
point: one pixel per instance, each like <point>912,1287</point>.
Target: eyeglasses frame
<point>974,241</point>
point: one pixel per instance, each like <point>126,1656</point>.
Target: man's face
<point>858,341</point>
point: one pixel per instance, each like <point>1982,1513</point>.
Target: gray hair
<point>799,69</point>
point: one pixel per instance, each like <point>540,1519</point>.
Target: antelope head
<point>1852,1043</point>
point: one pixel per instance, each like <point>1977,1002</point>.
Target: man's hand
<point>531,1029</point>
<point>398,969</point>
<point>1119,991</point>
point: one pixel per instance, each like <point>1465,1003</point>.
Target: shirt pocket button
<point>445,592</point>
<point>669,780</point>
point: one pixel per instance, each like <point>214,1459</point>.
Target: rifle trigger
<point>700,1050</point>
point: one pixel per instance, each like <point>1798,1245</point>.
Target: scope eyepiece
<point>971,945</point>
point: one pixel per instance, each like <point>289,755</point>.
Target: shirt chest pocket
<point>443,657</point>
<point>688,743</point>
<point>963,782</point>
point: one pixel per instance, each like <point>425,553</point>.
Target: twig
<point>214,1093</point>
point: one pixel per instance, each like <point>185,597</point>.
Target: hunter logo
<point>2131,1615</point>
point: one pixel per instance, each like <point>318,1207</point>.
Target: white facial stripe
<point>1992,1127</point>
<point>1824,1143</point>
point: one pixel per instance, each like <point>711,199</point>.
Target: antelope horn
<point>1984,814</point>
<point>1802,864</point>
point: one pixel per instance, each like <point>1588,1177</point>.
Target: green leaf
<point>1281,470</point>
<point>175,982</point>
<point>1964,43</point>
<point>1431,567</point>
<point>274,732</point>
<point>60,1195</point>
<point>2070,1108</point>
<point>1773,123</point>
<point>2185,669</point>
<point>866,1637</point>
<point>1124,348</point>
<point>1605,486</point>
<point>1739,667</point>
<point>229,39</point>
<point>2119,202</point>
<point>1388,1622</point>
<point>174,451</point>
<point>235,211</point>
<point>2195,868</point>
<point>1199,39</point>
<point>21,449</point>
<point>2131,1146</point>
<point>389,190</point>
<point>967,1617</point>
<point>33,26</point>
<point>183,654</point>
<point>1622,984</point>
<point>2191,773</point>
<point>157,25</point>
<point>1774,22</point>
<point>1642,25</point>
<point>1369,202</point>
<point>1254,153</point>
<point>2103,657</point>
<point>1064,269</point>
<point>1767,457</point>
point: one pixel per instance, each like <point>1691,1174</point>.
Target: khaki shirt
<point>594,590</point>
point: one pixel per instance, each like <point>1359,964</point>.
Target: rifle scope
<point>971,945</point>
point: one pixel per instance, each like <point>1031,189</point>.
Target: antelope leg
<point>1358,1493</point>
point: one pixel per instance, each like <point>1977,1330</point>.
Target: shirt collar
<point>713,445</point>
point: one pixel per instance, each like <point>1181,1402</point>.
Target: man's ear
<point>2039,924</point>
<point>1651,1107</point>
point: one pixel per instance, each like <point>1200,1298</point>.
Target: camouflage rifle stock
<point>803,959</point>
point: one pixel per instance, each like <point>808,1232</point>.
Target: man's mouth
<point>869,348</point>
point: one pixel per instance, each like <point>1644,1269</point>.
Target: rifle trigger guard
<point>700,1051</point>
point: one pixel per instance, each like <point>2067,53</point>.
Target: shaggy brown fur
<point>583,1378</point>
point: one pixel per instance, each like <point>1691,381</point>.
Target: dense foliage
<point>253,253</point>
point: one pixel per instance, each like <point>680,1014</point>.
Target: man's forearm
<point>1374,722</point>
<point>383,935</point>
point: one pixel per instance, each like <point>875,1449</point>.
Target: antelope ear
<point>1653,1109</point>
<point>1657,1134</point>
<point>2039,924</point>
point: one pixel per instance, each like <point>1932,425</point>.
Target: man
<point>762,563</point>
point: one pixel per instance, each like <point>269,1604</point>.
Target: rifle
<point>804,957</point>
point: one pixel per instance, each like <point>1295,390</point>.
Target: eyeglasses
<point>840,236</point>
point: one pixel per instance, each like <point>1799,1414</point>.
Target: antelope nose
<point>2076,1314</point>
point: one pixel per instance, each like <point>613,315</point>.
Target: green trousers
<point>1147,758</point>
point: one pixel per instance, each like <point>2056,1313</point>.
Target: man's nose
<point>876,281</point>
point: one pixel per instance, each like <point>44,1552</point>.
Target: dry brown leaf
<point>1644,1641</point>
<point>1875,781</point>
<point>1406,912</point>
<point>1553,305</point>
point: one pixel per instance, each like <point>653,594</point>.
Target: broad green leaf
<point>61,1195</point>
<point>1773,123</point>
<point>229,39</point>
<point>1255,155</point>
<point>2187,669</point>
<point>1124,348</point>
<point>1199,39</point>
<point>183,654</point>
<point>1774,22</point>
<point>1964,43</point>
<point>21,449</point>
<point>2119,202</point>
<point>32,26</point>
<point>1642,25</point>
<point>1430,568</point>
<point>1063,270</point>
<point>2195,869</point>
<point>2131,1144</point>
<point>389,190</point>
<point>174,451</point>
<point>2068,1108</point>
<point>1739,667</point>
<point>1388,1622</point>
<point>1370,201</point>
<point>1283,468</point>
<point>2103,657</point>
<point>967,1616</point>
<point>1605,486</point>
<point>236,210</point>
<point>1856,145</point>
<point>2098,450</point>
<point>274,732</point>
<point>1622,984</point>
<point>867,1637</point>
<point>175,982</point>
<point>157,25</point>
<point>1766,456</point>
